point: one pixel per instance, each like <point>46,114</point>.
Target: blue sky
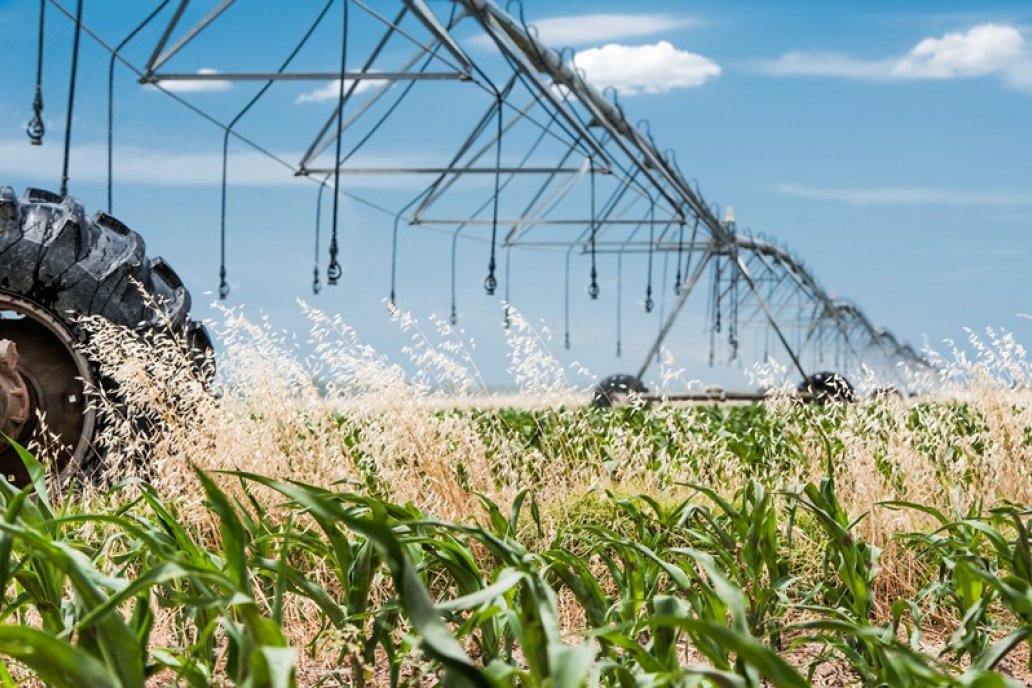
<point>887,143</point>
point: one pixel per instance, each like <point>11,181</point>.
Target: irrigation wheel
<point>617,390</point>
<point>57,264</point>
<point>828,387</point>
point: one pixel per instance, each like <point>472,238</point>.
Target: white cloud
<point>198,86</point>
<point>330,91</point>
<point>983,50</point>
<point>911,195</point>
<point>645,68</point>
<point>559,32</point>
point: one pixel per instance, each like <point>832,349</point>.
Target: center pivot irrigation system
<point>522,153</point>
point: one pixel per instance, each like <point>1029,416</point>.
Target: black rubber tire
<point>615,389</point>
<point>53,254</point>
<point>828,387</point>
<point>70,265</point>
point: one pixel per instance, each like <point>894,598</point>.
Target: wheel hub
<point>43,381</point>
<point>15,404</point>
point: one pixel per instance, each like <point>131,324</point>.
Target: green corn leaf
<point>438,641</point>
<point>234,536</point>
<point>571,664</point>
<point>506,581</point>
<point>59,664</point>
<point>115,640</point>
<point>37,476</point>
<point>1000,649</point>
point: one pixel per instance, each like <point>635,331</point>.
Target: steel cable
<point>333,270</point>
<point>490,282</point>
<point>35,128</point>
<point>71,98</point>
<point>111,101</point>
<point>223,284</point>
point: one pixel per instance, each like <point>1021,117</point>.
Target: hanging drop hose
<point>316,284</point>
<point>732,327</point>
<point>71,98</point>
<point>491,282</point>
<point>649,303</point>
<point>223,284</point>
<point>662,298</point>
<point>333,270</point>
<point>111,101</point>
<point>35,128</point>
<point>508,262</point>
<point>619,293</point>
<point>593,289</point>
<point>691,250</point>
<point>680,255</point>
<point>566,303</point>
<point>716,295</point>
<point>453,317</point>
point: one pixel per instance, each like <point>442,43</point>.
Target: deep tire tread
<point>54,254</point>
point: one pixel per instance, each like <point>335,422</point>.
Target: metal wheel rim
<point>69,464</point>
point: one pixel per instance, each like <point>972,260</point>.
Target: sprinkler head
<point>223,285</point>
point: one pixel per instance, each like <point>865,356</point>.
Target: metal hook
<point>519,8</point>
<point>490,282</point>
<point>334,271</point>
<point>223,285</point>
<point>35,128</point>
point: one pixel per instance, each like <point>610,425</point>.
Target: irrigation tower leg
<point>770,316</point>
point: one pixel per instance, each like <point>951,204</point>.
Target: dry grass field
<point>341,520</point>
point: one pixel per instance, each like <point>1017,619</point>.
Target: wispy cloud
<point>600,28</point>
<point>330,91</point>
<point>984,50</point>
<point>825,64</point>
<point>911,195</point>
<point>652,68</point>
<point>199,85</point>
<point>21,163</point>
<point>585,29</point>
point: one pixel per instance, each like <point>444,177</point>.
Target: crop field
<point>345,522</point>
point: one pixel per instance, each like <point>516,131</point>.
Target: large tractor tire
<point>57,264</point>
<point>827,387</point>
<point>618,390</point>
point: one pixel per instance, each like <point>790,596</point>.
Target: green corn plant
<point>743,536</point>
<point>529,613</point>
<point>108,647</point>
<point>709,632</point>
<point>436,640</point>
<point>1014,588</point>
<point>958,548</point>
<point>854,562</point>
